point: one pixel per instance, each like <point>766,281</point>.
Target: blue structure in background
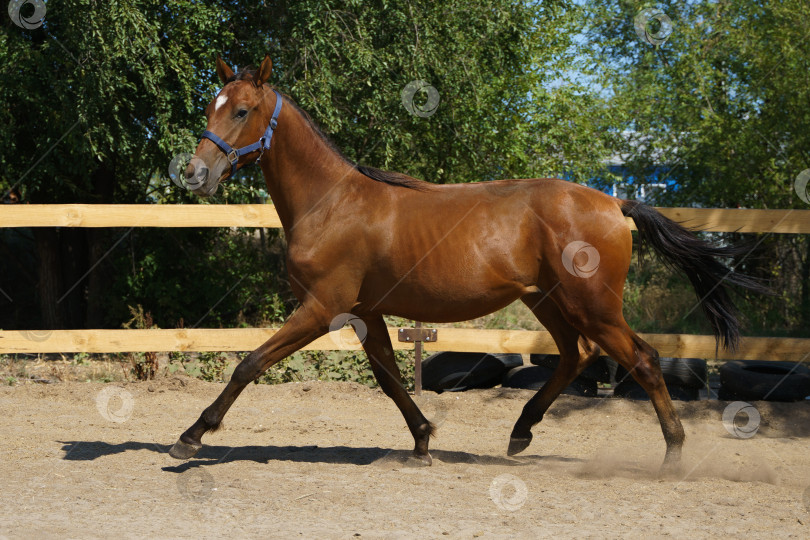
<point>648,188</point>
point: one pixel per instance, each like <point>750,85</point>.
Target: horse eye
<point>242,113</point>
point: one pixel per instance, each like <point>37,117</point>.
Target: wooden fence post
<point>417,335</point>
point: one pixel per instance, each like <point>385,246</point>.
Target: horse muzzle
<point>199,179</point>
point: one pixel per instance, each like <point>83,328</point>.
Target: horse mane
<point>391,178</point>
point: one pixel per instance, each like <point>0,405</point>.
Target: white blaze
<point>220,102</point>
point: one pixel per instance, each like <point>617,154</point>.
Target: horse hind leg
<point>641,360</point>
<point>573,361</point>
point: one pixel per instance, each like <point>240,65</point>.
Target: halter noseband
<point>233,154</point>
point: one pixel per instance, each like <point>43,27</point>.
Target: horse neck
<point>300,169</point>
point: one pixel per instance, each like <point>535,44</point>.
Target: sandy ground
<point>330,460</point>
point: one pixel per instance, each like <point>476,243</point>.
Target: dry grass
<point>42,368</point>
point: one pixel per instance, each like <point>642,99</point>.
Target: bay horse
<point>367,242</point>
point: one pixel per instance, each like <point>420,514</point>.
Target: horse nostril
<point>196,174</point>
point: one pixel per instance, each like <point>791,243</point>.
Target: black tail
<point>681,249</point>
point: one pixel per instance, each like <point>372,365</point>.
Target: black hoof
<point>518,445</point>
<point>182,450</point>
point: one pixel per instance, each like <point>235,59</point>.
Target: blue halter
<point>233,154</point>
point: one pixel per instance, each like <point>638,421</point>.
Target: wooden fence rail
<point>450,339</point>
<point>264,215</point>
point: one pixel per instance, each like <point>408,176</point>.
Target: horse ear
<point>223,71</point>
<point>264,71</point>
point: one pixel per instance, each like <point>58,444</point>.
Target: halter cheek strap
<point>261,145</point>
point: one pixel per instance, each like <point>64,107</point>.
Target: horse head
<point>241,120</point>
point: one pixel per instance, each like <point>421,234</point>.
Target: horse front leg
<point>377,345</point>
<point>305,325</point>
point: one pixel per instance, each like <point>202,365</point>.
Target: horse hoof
<point>422,459</point>
<point>182,450</point>
<point>672,467</point>
<point>518,445</point>
<point>670,470</point>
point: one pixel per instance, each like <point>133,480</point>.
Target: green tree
<point>493,64</point>
<point>722,101</point>
<point>720,109</point>
<point>92,101</point>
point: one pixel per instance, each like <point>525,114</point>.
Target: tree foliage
<point>722,102</point>
<point>719,111</point>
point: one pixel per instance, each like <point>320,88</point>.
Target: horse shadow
<point>345,455</point>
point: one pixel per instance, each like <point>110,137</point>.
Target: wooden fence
<point>264,215</point>
<point>450,339</point>
<point>456,339</point>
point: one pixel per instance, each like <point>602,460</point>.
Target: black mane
<point>387,177</point>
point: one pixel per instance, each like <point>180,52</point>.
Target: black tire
<point>685,372</point>
<point>599,371</point>
<point>534,377</point>
<point>725,395</point>
<point>457,371</point>
<point>630,389</point>
<point>759,380</point>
